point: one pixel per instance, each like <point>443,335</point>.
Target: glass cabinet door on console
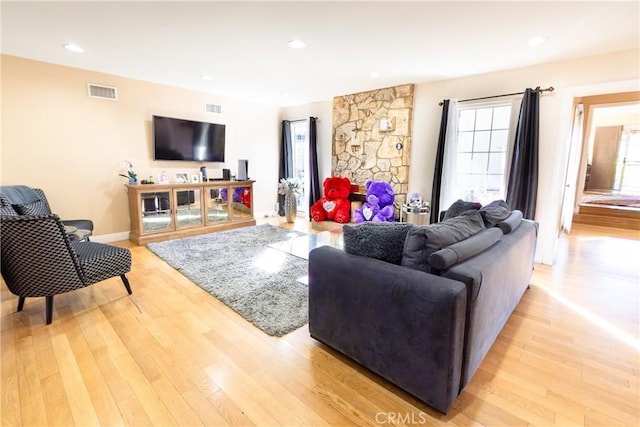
<point>156,211</point>
<point>188,207</point>
<point>217,204</point>
<point>241,203</point>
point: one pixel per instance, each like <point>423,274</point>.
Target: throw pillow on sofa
<point>458,207</point>
<point>495,212</point>
<point>380,240</point>
<point>424,240</point>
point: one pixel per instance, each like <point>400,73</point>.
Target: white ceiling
<point>243,45</point>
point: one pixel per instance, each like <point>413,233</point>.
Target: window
<point>483,147</point>
<point>300,154</point>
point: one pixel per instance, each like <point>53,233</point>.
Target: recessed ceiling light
<point>537,40</point>
<point>72,47</point>
<point>375,75</point>
<point>206,77</point>
<point>296,44</point>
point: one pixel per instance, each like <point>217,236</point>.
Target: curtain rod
<point>300,120</point>
<point>549,89</point>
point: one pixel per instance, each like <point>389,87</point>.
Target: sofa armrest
<point>403,324</point>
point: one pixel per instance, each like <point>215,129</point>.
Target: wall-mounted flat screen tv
<point>189,140</point>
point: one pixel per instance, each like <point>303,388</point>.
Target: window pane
<point>464,163</point>
<point>481,141</point>
<point>495,184</point>
<point>465,142</point>
<point>496,163</point>
<point>501,117</point>
<point>466,119</point>
<point>479,163</point>
<point>499,140</point>
<point>483,118</point>
<point>477,189</point>
<point>465,186</point>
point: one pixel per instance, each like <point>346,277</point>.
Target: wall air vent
<point>102,92</point>
<point>212,108</point>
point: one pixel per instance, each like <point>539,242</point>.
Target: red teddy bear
<point>335,204</point>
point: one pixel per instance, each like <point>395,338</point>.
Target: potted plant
<point>130,172</point>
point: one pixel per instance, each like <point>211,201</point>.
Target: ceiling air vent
<point>212,108</point>
<point>102,92</point>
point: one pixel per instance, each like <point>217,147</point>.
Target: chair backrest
<point>37,258</point>
<point>44,201</point>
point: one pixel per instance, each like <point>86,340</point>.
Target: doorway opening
<point>608,187</point>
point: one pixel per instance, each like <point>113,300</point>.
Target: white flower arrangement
<point>289,184</point>
<point>130,173</point>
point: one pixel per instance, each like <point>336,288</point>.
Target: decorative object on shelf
<point>163,178</point>
<point>289,187</point>
<point>182,178</point>
<point>195,178</point>
<point>130,174</point>
<point>387,124</point>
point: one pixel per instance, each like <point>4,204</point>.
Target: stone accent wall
<point>361,150</point>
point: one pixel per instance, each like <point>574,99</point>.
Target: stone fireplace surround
<point>371,137</point>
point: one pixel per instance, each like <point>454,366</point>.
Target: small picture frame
<point>182,178</point>
<point>195,178</point>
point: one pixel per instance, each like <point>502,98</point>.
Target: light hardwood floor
<point>172,355</point>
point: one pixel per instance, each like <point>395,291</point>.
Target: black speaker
<point>243,170</point>
<point>226,174</point>
<point>205,177</point>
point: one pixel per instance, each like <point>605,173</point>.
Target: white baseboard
<point>114,237</point>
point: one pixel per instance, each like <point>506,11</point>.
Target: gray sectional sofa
<point>424,315</point>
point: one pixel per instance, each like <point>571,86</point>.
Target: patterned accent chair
<point>39,259</point>
<point>23,200</point>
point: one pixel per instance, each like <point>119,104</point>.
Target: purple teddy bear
<point>379,204</point>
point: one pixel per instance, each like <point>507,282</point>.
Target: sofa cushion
<point>458,252</point>
<point>511,223</point>
<point>458,207</point>
<point>380,240</point>
<point>494,212</point>
<point>423,240</point>
<point>34,208</point>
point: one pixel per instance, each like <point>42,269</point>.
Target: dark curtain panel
<point>523,177</point>
<point>286,160</point>
<point>437,173</point>
<point>314,180</point>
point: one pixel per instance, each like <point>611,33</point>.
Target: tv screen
<point>180,139</point>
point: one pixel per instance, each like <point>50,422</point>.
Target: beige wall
<point>615,72</point>
<point>57,138</point>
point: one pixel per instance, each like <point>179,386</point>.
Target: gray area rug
<point>238,268</point>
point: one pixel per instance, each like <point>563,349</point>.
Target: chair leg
<point>126,283</point>
<point>49,309</point>
<point>21,303</point>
